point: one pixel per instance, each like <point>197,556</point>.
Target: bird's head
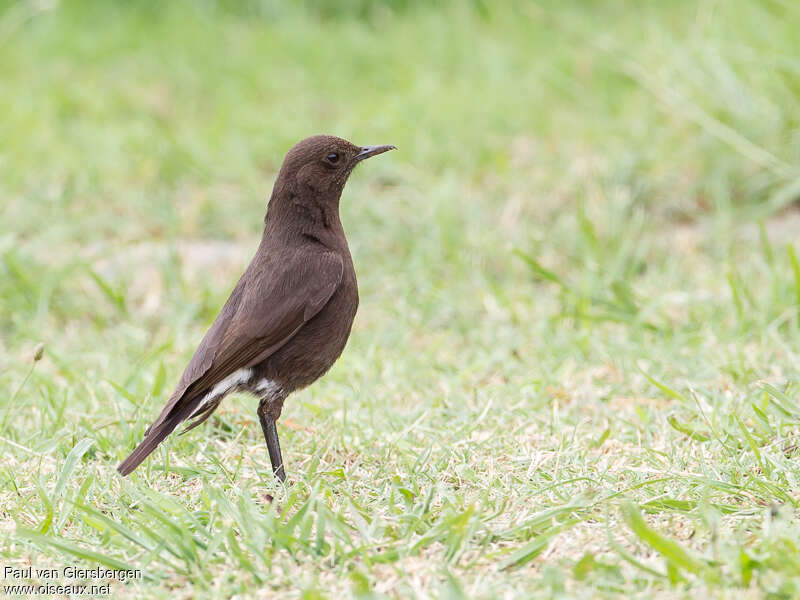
<point>322,163</point>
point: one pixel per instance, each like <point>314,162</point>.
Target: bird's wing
<point>266,308</point>
<point>279,299</point>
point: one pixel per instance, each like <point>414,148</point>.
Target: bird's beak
<point>367,151</point>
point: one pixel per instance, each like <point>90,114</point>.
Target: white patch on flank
<point>269,387</point>
<point>223,387</point>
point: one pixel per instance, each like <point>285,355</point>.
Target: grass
<point>574,371</point>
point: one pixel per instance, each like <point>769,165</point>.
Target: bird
<point>288,318</point>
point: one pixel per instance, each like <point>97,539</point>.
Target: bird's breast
<point>320,341</point>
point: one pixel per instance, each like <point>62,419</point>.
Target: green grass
<point>574,370</point>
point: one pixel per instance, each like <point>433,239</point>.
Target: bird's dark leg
<point>271,437</point>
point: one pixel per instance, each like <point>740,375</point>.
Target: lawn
<point>575,369</point>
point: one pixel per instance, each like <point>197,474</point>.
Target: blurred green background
<point>574,370</point>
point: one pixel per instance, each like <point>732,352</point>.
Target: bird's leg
<point>271,437</point>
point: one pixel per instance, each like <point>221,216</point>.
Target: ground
<point>574,370</point>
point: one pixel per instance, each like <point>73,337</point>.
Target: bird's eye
<point>332,157</point>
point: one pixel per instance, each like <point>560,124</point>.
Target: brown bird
<point>288,319</point>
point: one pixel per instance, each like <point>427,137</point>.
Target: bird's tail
<point>155,434</point>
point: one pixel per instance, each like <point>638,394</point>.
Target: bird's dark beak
<point>367,151</point>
